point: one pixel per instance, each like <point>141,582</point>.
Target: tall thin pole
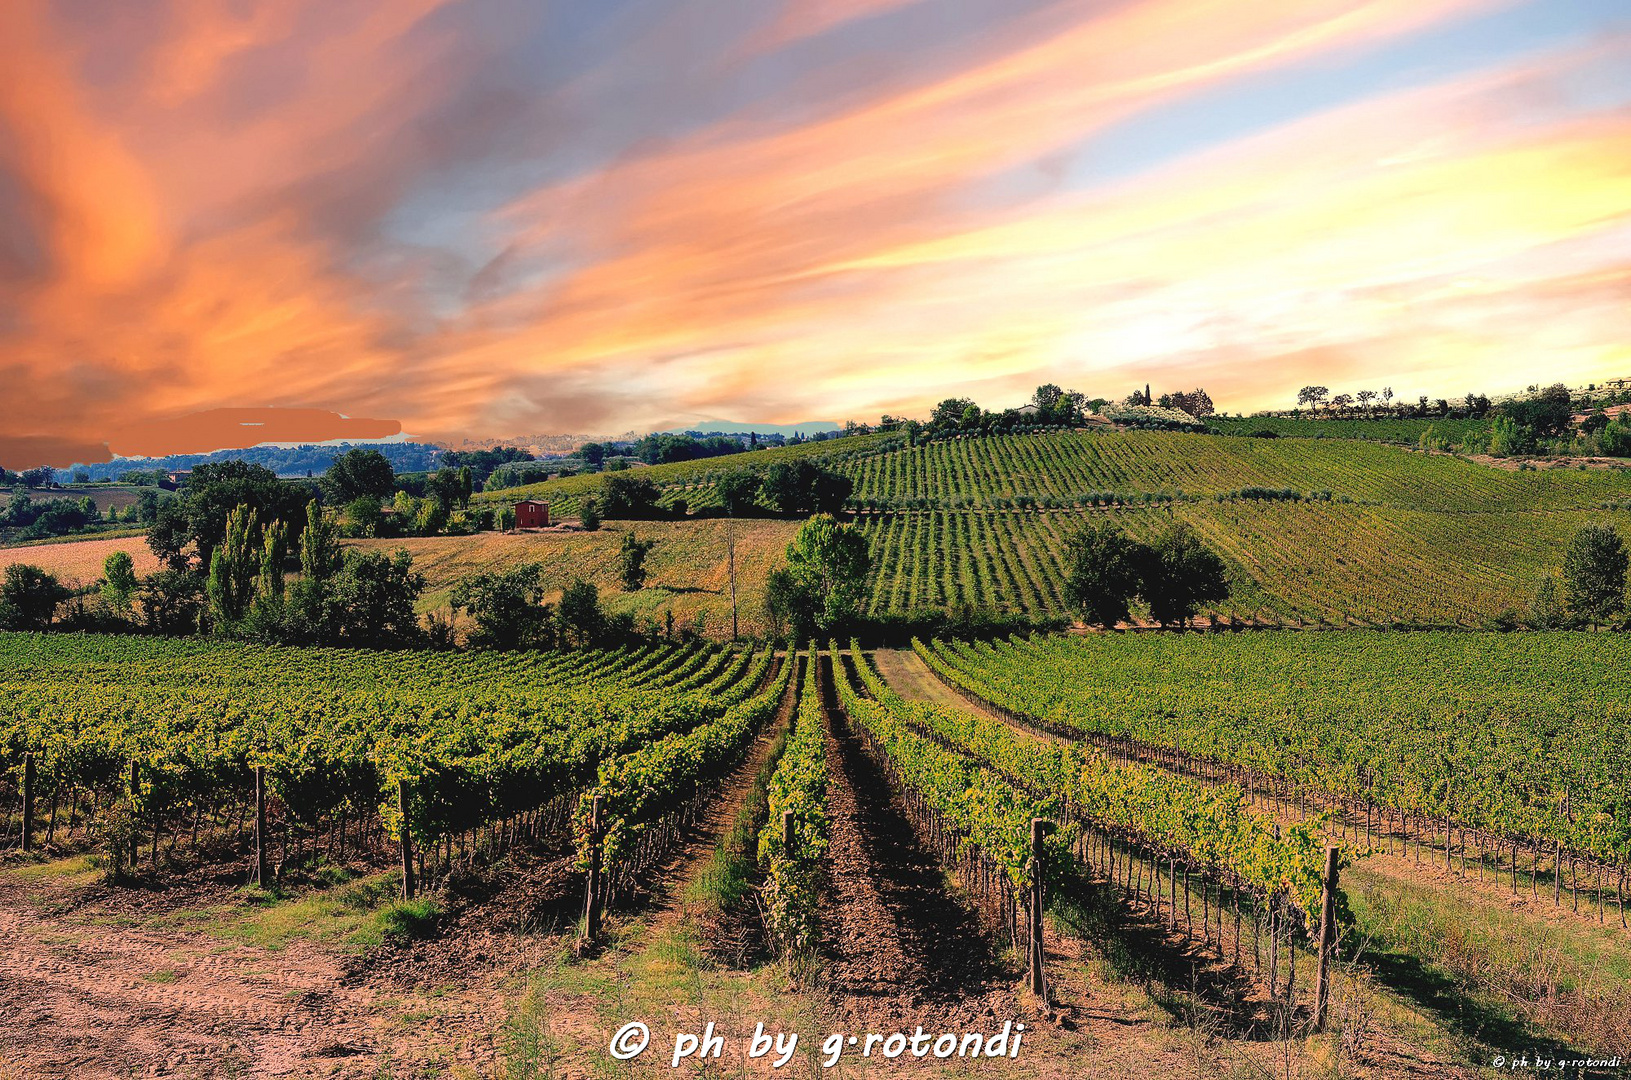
<point>405,841</point>
<point>1327,942</point>
<point>730,542</point>
<point>262,862</point>
<point>1036,978</point>
<point>28,802</point>
<point>592,887</point>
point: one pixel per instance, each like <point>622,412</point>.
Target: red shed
<point>531,514</point>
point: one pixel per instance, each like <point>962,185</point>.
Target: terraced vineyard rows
<point>1066,466</point>
<point>1293,562</point>
<point>1444,730</point>
<point>152,736</point>
<point>1186,850</point>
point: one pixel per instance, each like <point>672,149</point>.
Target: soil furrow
<point>900,943</point>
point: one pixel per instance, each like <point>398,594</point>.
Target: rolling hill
<point>1315,531</point>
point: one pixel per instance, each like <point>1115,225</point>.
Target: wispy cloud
<point>400,210</point>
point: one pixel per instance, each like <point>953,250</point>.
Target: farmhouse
<point>531,514</point>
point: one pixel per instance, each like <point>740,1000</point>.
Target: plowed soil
<point>900,944</point>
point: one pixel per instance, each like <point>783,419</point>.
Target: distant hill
<point>724,427</point>
<point>283,460</point>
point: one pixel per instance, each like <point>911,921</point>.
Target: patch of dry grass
<point>688,569</point>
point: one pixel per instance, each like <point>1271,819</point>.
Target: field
<point>1180,903</point>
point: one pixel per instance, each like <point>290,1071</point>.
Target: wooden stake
<point>405,839</point>
<point>787,832</point>
<point>1037,977</point>
<point>262,872</point>
<point>28,802</point>
<point>135,793</point>
<point>591,898</point>
<point>1322,976</point>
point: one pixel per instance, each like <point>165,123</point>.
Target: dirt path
<point>673,877</point>
<point>89,1001</point>
<point>900,944</point>
<point>905,671</point>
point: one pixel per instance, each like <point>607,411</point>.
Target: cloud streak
<point>394,210</point>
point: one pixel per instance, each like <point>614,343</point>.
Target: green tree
<point>508,608</point>
<point>739,490</point>
<point>1545,412</point>
<point>1546,611</point>
<point>1615,439</point>
<point>172,601</point>
<point>364,516</point>
<point>1508,439</point>
<point>370,602</point>
<point>788,609</point>
<point>190,527</point>
<point>589,514</point>
<point>581,621</point>
<point>234,566</point>
<point>274,550</point>
<point>119,581</point>
<point>631,561</point>
<point>829,563</point>
<point>1181,575</point>
<point>467,486</point>
<point>319,546</point>
<point>627,495</point>
<point>1594,574</point>
<point>29,597</point>
<point>1103,568</point>
<point>802,487</point>
<point>358,473</point>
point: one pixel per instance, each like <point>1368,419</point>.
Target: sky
<point>225,222</point>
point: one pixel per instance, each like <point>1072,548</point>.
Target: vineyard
<point>1307,563</point>
<point>346,748</point>
<point>1058,468</point>
<point>1431,735</point>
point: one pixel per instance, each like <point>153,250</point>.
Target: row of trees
<point>792,488</point>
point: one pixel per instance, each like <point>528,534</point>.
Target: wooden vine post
<point>135,795</point>
<point>28,802</point>
<point>1036,978</point>
<point>787,832</point>
<point>592,890</point>
<point>1327,943</point>
<point>405,839</point>
<point>262,872</point>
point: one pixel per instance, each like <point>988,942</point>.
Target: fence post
<point>405,839</point>
<point>591,893</point>
<point>262,872</point>
<point>135,794</point>
<point>28,802</point>
<point>1322,975</point>
<point>787,832</point>
<point>1036,978</point>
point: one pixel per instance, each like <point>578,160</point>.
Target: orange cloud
<point>250,205</point>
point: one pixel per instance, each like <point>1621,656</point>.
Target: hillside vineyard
<point>1323,531</point>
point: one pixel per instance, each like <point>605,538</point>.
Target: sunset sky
<point>478,218</point>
